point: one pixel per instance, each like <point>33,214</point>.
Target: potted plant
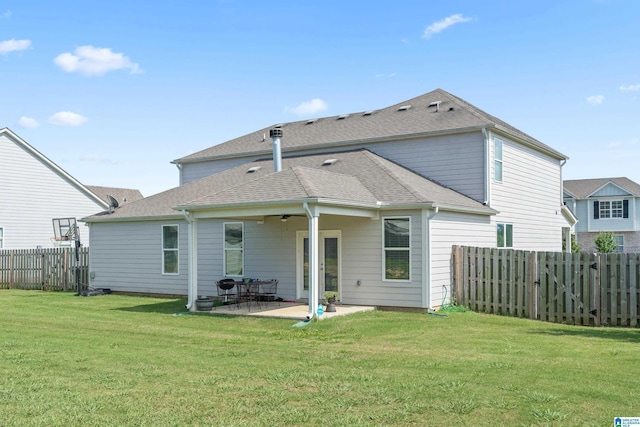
<point>204,303</point>
<point>330,298</point>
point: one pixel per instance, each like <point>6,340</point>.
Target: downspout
<point>313,262</point>
<point>192,253</point>
<point>426,296</point>
<point>487,168</point>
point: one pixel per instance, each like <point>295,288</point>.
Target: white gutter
<point>427,249</point>
<point>487,167</point>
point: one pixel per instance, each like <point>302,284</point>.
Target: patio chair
<point>269,291</point>
<point>248,292</point>
<point>226,291</point>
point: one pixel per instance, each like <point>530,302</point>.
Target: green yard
<point>125,361</point>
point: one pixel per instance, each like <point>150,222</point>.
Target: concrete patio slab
<point>284,310</point>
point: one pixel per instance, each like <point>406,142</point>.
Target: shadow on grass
<point>615,334</point>
<point>166,307</point>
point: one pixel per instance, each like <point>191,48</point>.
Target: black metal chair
<point>226,291</point>
<point>269,291</point>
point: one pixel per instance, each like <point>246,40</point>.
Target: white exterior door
<point>329,263</point>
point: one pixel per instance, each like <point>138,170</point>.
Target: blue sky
<point>114,91</point>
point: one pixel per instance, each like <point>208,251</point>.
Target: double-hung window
<point>233,249</point>
<point>607,209</point>
<point>397,248</point>
<point>620,243</point>
<point>504,235</point>
<point>170,249</point>
<point>1,238</point>
<point>497,159</point>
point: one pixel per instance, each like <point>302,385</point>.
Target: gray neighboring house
<point>605,204</point>
<point>34,190</point>
<point>367,203</point>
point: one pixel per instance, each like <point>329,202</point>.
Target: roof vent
<point>253,169</point>
<point>342,117</point>
<point>279,125</point>
<point>329,162</point>
<point>404,108</point>
<point>367,113</point>
<point>311,121</point>
<point>435,104</point>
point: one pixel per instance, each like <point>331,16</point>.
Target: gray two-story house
<point>368,204</point>
<point>605,204</point>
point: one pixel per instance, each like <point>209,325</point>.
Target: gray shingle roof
<point>583,188</point>
<point>356,177</point>
<point>454,115</point>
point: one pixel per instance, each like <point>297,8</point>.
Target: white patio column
<point>313,261</point>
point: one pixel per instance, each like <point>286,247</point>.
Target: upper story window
<point>170,249</point>
<point>497,159</point>
<point>605,209</point>
<point>233,249</point>
<point>397,248</point>
<point>504,235</point>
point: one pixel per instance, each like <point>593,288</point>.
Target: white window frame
<point>176,250</point>
<point>620,243</point>
<point>498,163</point>
<point>386,249</point>
<point>225,249</point>
<point>1,238</point>
<point>506,226</point>
<point>608,211</point>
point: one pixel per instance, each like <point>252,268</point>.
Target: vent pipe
<point>275,135</point>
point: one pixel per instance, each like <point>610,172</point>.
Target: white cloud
<point>67,118</point>
<point>443,24</point>
<point>595,99</point>
<point>28,122</point>
<point>385,76</point>
<point>630,88</point>
<point>314,106</point>
<point>14,45</point>
<point>95,61</point>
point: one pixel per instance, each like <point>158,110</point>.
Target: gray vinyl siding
<point>610,190</point>
<point>455,161</point>
<point>609,224</point>
<point>449,229</point>
<point>127,257</point>
<point>32,195</point>
<point>194,171</point>
<point>529,197</point>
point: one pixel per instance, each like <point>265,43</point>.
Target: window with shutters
<point>607,209</point>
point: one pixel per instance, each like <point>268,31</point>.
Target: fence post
<point>594,268</point>
<point>457,274</point>
<point>534,280</point>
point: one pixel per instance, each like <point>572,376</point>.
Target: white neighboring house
<point>34,190</point>
<point>605,204</point>
<point>368,204</point>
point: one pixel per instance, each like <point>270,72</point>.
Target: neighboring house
<point>368,204</point>
<point>605,204</point>
<point>34,191</point>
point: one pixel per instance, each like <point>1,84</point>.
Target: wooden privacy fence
<point>44,269</point>
<point>571,288</point>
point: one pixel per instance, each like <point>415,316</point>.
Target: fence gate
<point>567,291</point>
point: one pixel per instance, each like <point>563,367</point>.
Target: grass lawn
<point>118,360</point>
